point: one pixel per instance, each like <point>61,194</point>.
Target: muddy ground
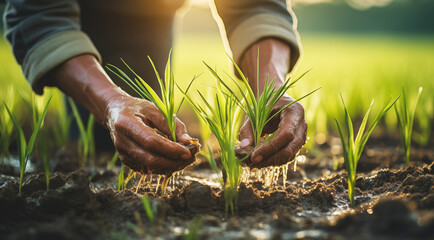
<point>393,202</point>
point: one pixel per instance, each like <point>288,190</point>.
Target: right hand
<point>132,123</point>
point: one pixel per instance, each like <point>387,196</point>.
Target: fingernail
<point>185,156</point>
<point>245,142</point>
<point>185,136</point>
<point>257,159</point>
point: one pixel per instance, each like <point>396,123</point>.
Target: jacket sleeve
<point>43,34</point>
<point>247,21</point>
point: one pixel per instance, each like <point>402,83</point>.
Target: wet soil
<point>392,202</point>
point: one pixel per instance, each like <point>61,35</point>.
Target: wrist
<point>83,79</point>
<point>274,56</point>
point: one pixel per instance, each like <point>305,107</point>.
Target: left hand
<point>290,130</point>
<point>289,125</point>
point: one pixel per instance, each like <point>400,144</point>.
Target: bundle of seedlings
<point>223,119</point>
<point>259,108</point>
<point>166,104</point>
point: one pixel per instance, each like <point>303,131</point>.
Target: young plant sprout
<point>121,185</point>
<point>62,124</point>
<point>149,211</point>
<point>223,118</point>
<point>353,145</point>
<point>24,148</point>
<point>192,233</point>
<point>6,126</point>
<point>405,117</point>
<point>86,134</point>
<point>258,107</point>
<point>42,145</point>
<point>166,104</point>
<point>113,161</point>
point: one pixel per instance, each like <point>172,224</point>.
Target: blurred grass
<point>361,67</point>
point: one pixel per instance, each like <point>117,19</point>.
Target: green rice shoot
<point>353,145</point>
<point>26,148</point>
<point>223,119</point>
<point>258,107</point>
<point>405,117</point>
<point>86,134</point>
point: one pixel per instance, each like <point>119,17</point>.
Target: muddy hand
<point>289,129</point>
<point>131,121</point>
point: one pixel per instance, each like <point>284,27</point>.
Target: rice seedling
<point>192,233</point>
<point>24,148</point>
<point>166,104</point>
<point>121,185</point>
<point>353,145</point>
<point>6,126</point>
<point>42,140</point>
<point>204,131</point>
<point>223,118</point>
<point>424,116</point>
<point>113,161</point>
<point>149,211</point>
<point>61,126</point>
<point>405,117</point>
<point>213,164</point>
<point>86,134</point>
<point>258,107</point>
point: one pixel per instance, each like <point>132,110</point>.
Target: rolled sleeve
<point>44,34</point>
<point>263,26</point>
<point>247,21</point>
<point>53,51</point>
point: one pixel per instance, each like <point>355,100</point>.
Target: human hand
<point>133,123</point>
<point>289,128</point>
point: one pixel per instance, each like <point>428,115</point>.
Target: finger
<point>289,152</point>
<point>181,133</point>
<point>290,120</point>
<point>147,162</point>
<point>155,119</point>
<point>159,122</point>
<point>284,134</point>
<point>148,139</point>
<point>129,161</point>
<point>246,134</point>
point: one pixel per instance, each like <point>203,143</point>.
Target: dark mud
<point>393,202</point>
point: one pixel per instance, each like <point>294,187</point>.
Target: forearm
<point>247,22</point>
<point>83,79</point>
<point>44,34</point>
<point>274,59</point>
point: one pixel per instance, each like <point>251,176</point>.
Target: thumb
<point>246,134</point>
<point>181,133</point>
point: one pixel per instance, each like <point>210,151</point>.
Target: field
<point>392,200</point>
